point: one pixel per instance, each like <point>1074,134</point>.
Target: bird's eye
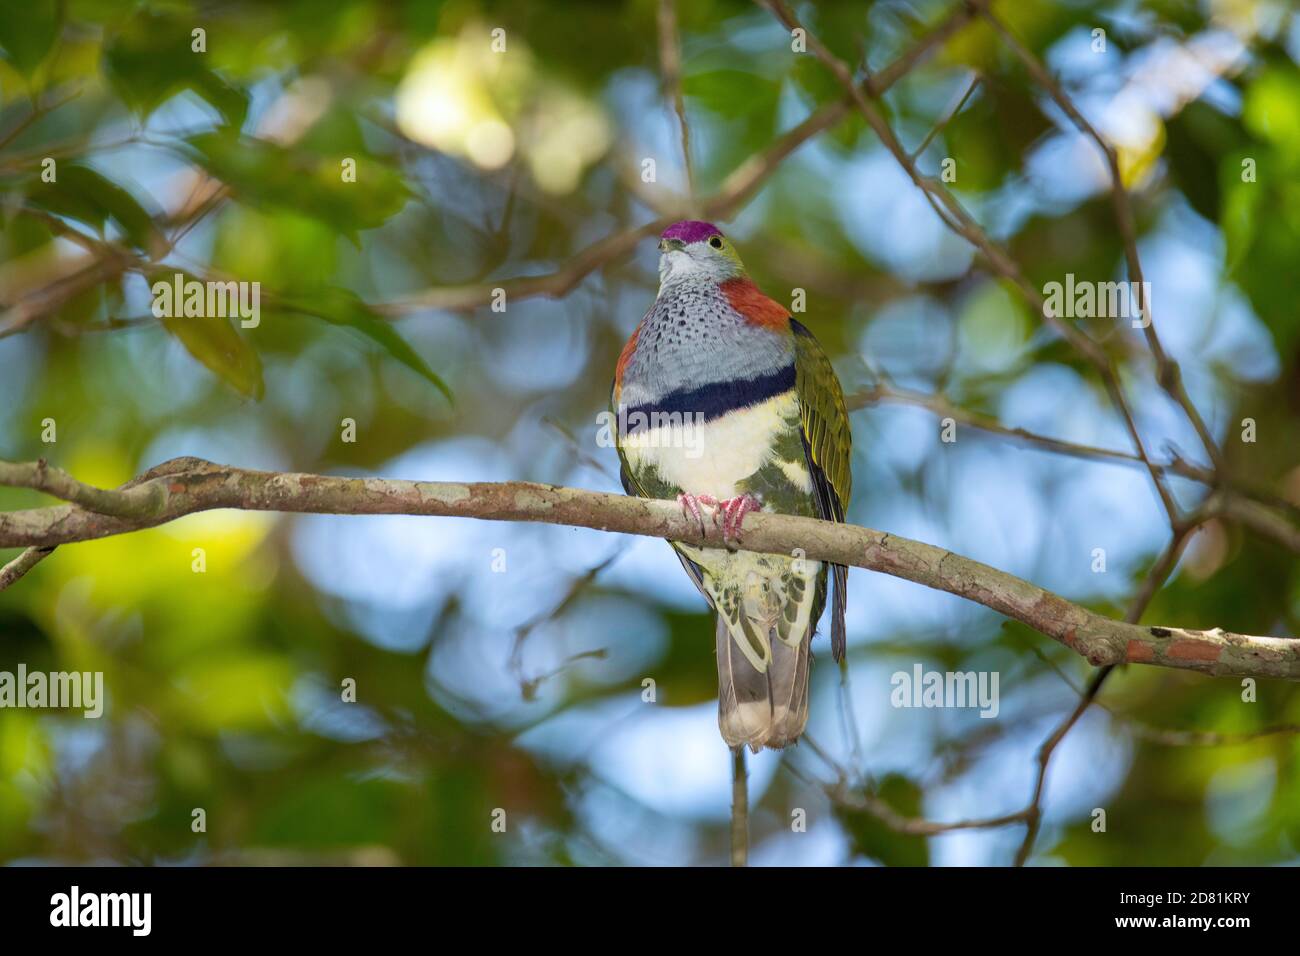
<point>716,242</point>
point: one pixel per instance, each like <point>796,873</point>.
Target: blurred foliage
<point>874,839</point>
<point>473,167</point>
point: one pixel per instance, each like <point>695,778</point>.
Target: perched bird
<point>724,401</point>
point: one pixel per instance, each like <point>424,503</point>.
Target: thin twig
<point>947,117</point>
<point>915,826</point>
<point>1207,738</point>
<point>20,565</point>
<point>739,809</point>
<point>944,408</point>
<point>848,714</point>
<point>670,66</point>
<point>37,112</point>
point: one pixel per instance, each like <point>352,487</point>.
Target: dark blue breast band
<point>708,402</point>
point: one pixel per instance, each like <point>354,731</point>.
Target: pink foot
<point>733,511</point>
<point>691,507</point>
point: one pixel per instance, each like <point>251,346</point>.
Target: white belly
<point>714,457</point>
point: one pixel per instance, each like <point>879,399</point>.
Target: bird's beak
<point>671,245</point>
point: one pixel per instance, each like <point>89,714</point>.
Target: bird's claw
<point>691,507</point>
<point>733,511</point>
<point>730,511</point>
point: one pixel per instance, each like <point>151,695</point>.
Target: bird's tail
<point>762,709</point>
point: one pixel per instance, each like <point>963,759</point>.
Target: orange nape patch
<point>624,357</point>
<point>747,299</point>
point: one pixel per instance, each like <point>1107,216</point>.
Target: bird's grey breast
<point>693,337</point>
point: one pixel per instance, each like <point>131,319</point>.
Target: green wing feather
<point>828,444</point>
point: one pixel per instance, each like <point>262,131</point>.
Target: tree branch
<point>185,486</point>
<point>20,565</point>
<point>136,502</point>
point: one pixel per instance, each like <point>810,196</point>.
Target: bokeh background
<point>502,665</point>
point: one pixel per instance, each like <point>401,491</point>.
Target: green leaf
<point>81,193</point>
<point>731,92</point>
<point>215,342</point>
<point>267,174</point>
<point>814,80</point>
<point>150,59</point>
<point>330,810</point>
<point>28,29</point>
<point>1242,204</point>
<point>20,235</point>
<point>1272,106</point>
<point>342,307</point>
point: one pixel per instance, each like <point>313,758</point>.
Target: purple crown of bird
<point>728,405</point>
